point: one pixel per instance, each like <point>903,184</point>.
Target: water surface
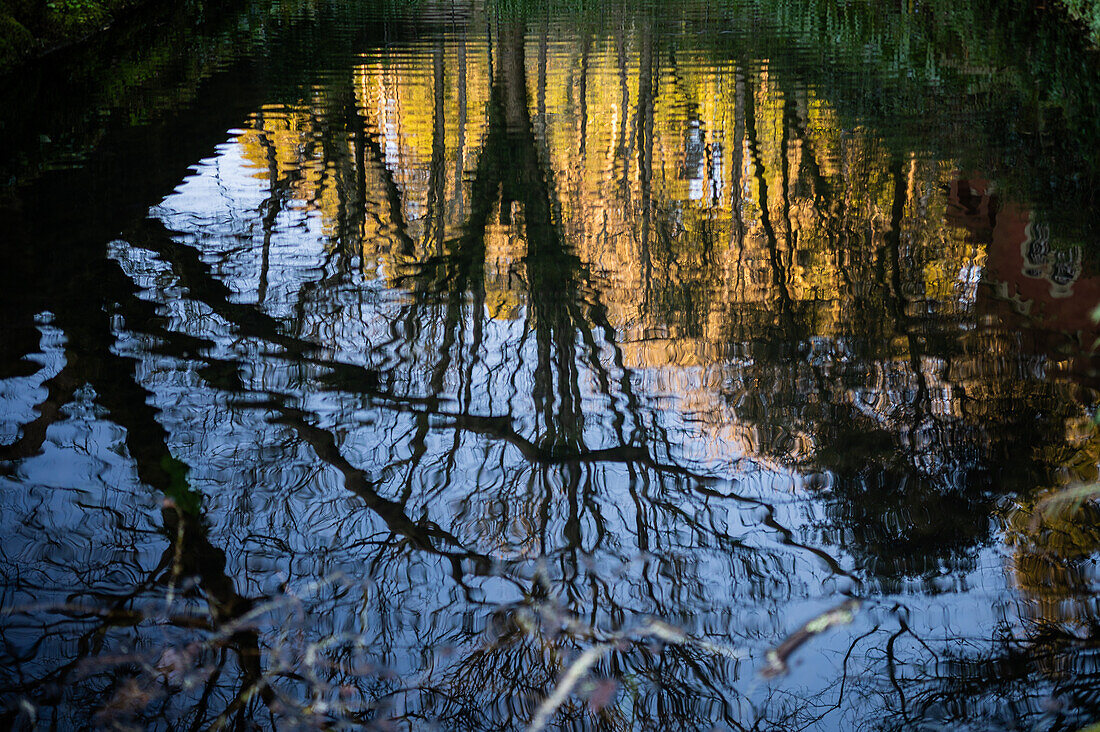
<point>378,365</point>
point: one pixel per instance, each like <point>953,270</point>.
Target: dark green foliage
<point>1088,12</point>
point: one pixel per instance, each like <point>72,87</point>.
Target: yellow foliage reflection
<point>695,211</point>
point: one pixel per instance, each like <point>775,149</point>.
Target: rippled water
<point>685,366</point>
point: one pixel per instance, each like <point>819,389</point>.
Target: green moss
<point>70,18</point>
<point>15,41</point>
<point>32,26</point>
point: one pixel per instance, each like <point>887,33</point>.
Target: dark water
<point>718,366</point>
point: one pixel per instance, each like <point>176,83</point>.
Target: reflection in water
<point>499,343</point>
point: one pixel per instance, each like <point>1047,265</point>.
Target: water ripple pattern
<point>477,366</point>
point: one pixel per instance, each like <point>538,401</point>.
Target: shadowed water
<point>719,366</point>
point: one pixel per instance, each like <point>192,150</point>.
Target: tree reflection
<point>521,340</point>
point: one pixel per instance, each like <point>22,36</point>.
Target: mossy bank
<point>31,27</point>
